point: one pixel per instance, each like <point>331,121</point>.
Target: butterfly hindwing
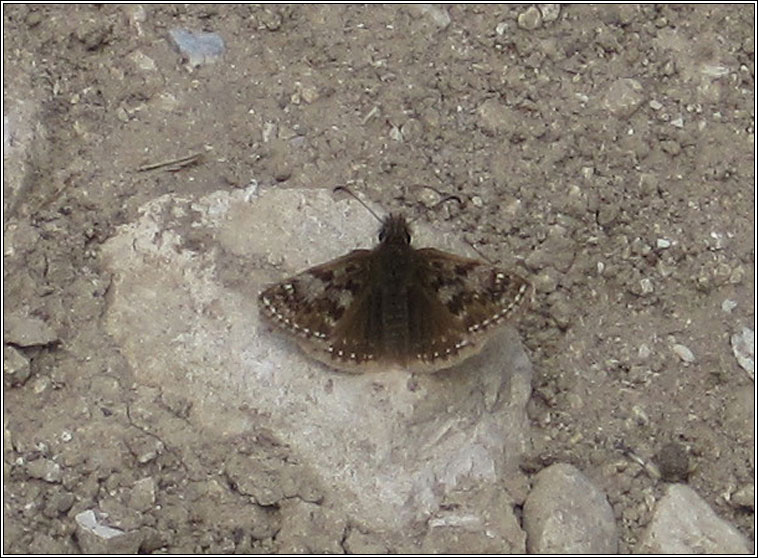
<point>478,295</point>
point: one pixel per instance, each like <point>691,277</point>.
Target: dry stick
<point>174,164</point>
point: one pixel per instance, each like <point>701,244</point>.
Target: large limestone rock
<point>390,449</point>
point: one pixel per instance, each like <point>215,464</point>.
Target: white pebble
<point>728,305</point>
<point>743,347</point>
<point>684,353</point>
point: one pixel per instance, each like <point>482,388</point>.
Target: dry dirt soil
<point>607,153</point>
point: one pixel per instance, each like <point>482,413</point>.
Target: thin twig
<point>174,164</point>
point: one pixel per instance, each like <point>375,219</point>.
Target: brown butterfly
<point>394,306</point>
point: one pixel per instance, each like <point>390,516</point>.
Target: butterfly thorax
<point>394,269</point>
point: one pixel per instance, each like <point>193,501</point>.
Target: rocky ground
<point>605,152</point>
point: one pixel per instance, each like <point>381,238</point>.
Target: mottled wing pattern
<point>310,304</point>
<point>458,303</point>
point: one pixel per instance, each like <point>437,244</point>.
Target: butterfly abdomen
<point>396,269</point>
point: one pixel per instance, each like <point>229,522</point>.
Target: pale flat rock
<point>566,514</point>
<point>388,447</point>
<point>683,523</point>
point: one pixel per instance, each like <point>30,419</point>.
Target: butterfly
<point>394,306</point>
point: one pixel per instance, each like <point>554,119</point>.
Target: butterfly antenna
<point>349,191</point>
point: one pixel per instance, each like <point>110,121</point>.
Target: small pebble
<point>96,537</point>
<point>437,14</point>
<point>45,469</point>
<point>530,20</point>
<point>663,243</point>
<point>728,305</point>
<point>624,97</point>
<point>683,353</point>
<point>714,70</point>
<point>671,147</point>
<point>142,495</point>
<point>550,12</point>
<point>198,47</point>
<point>428,196</point>
<point>744,497</point>
<point>16,367</point>
<point>646,286</point>
<point>743,347</point>
<point>673,462</point>
<point>269,131</point>
<point>142,61</point>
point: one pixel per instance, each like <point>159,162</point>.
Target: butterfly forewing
<point>478,295</point>
<point>310,304</point>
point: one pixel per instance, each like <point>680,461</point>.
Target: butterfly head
<point>395,231</point>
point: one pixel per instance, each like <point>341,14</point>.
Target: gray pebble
<point>671,147</point>
<point>428,196</point>
<point>566,514</point>
<point>744,497</point>
<point>145,448</point>
<point>16,367</point>
<point>556,251</point>
<point>673,462</point>
<point>547,281</point>
<point>436,14</point>
<point>198,47</point>
<point>743,347</point>
<point>646,286</point>
<point>412,130</point>
<point>683,523</point>
<point>560,310</point>
<point>45,469</point>
<point>494,117</point>
<point>58,503</point>
<point>683,353</point>
<point>607,214</point>
<point>530,20</point>
<point>624,97</point>
<point>95,537</point>
<point>728,305</point>
<point>142,495</point>
<point>550,12</point>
